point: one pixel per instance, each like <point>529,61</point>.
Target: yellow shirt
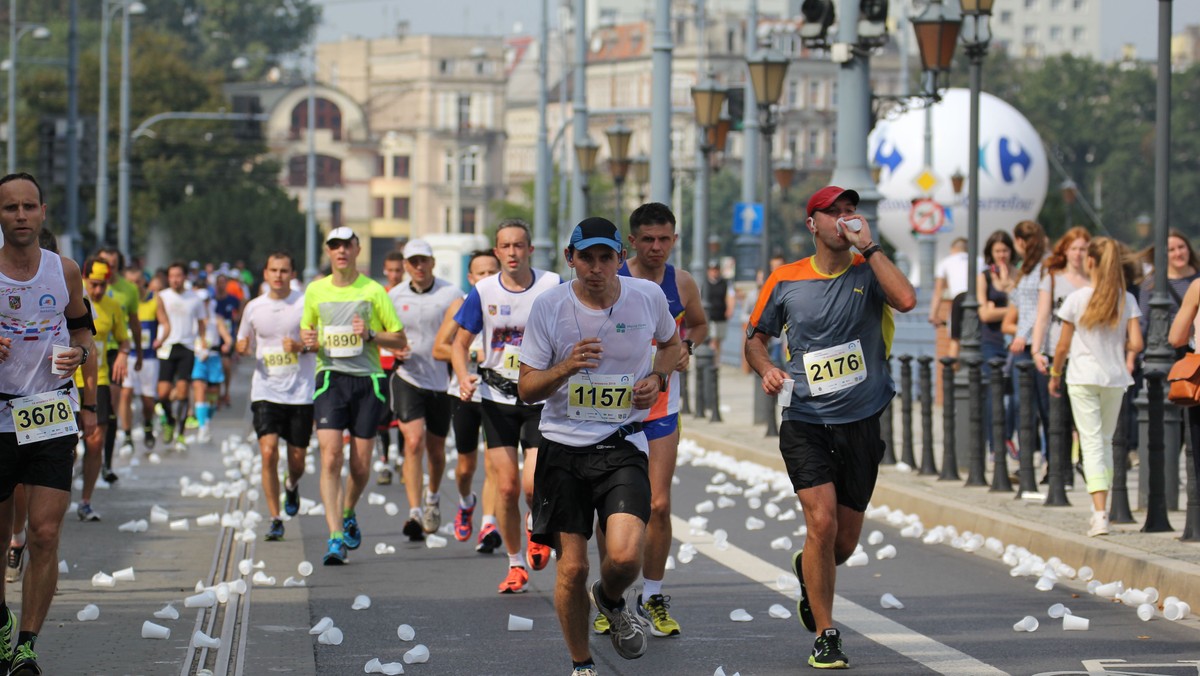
<point>110,321</point>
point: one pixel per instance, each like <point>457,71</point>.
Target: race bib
<point>510,362</point>
<point>281,363</point>
<point>835,368</point>
<point>200,350</point>
<point>600,398</point>
<point>43,416</point>
<point>342,341</point>
<point>164,352</point>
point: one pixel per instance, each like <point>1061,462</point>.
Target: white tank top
<point>32,315</point>
<point>472,367</point>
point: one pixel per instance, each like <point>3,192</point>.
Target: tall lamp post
<point>16,32</point>
<point>785,173</point>
<point>585,160</point>
<point>108,11</point>
<point>767,70</point>
<point>707,98</point>
<point>618,161</point>
<point>639,171</point>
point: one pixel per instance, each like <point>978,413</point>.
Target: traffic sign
<point>927,216</point>
<point>747,218</point>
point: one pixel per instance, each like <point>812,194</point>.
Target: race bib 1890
<point>600,398</point>
<point>43,416</point>
<point>342,341</point>
<point>835,368</point>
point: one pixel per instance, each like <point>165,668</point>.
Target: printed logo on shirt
<point>492,310</point>
<point>14,302</point>
<point>858,290</point>
<point>622,327</point>
<point>47,303</point>
<point>505,310</point>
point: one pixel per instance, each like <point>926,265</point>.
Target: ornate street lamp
<point>768,69</point>
<point>937,30</point>
<point>1069,193</point>
<point>618,159</point>
<point>718,138</point>
<point>708,98</point>
<point>639,169</point>
<point>585,158</point>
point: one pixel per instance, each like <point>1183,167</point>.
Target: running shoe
<point>489,539</point>
<point>168,433</point>
<point>109,475</point>
<point>6,638</point>
<point>191,423</point>
<point>352,535</point>
<point>600,625</point>
<point>384,478</point>
<point>628,637</point>
<point>291,500</point>
<point>336,554</point>
<point>516,581</point>
<point>180,445</point>
<point>827,651</point>
<point>275,532</point>
<point>148,439</point>
<point>431,513</point>
<point>126,449</point>
<point>654,610</point>
<point>413,530</point>
<point>463,525</point>
<point>1098,524</point>
<point>86,513</point>
<point>15,565</point>
<point>24,661</point>
<point>803,609</point>
<point>535,554</point>
<point>589,670</point>
<point>204,435</point>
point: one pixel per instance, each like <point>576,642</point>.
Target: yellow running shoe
<point>655,610</point>
<point>600,624</point>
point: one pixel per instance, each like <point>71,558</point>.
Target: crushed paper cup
<point>203,640</point>
<point>376,498</point>
<point>391,668</point>
<point>778,612</point>
<point>419,654</point>
<point>159,515</point>
<point>890,602</point>
<point>1027,623</point>
<point>103,579</point>
<point>261,578</point>
<point>783,543</point>
<point>135,526</point>
<point>155,631</point>
<point>88,613</point>
<point>518,623</point>
<point>321,625</point>
<point>740,615</point>
<point>1057,610</point>
<point>361,602</point>
<point>886,552</point>
<point>705,507</point>
<point>405,632</point>
<point>435,541</point>
<point>331,636</point>
<point>167,612</point>
<point>293,582</point>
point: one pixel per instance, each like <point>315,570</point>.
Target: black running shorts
<point>346,402</point>
<point>410,402</point>
<point>845,455</point>
<point>178,366</point>
<point>507,424</point>
<point>41,463</point>
<point>292,422</point>
<point>574,487</point>
<point>467,417</point>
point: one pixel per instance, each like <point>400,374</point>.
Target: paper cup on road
<point>157,631</point>
<point>391,668</point>
<point>1085,573</point>
<point>890,602</point>
<point>1134,597</point>
<point>331,636</point>
<point>434,541</point>
<point>168,612</point>
<point>205,599</point>
<point>886,552</point>
<point>208,519</point>
<point>245,566</point>
<point>203,640</point>
<point>305,568</point>
<point>418,655</point>
<point>293,582</point>
<point>321,625</point>
<point>59,349</point>
<point>124,575</point>
<point>782,543</point>
<point>1110,590</point>
<point>1075,623</point>
<point>103,580</point>
<point>88,613</point>
<point>361,602</point>
<point>1027,623</point>
<point>875,538</point>
<point>1176,611</point>
<point>1044,583</point>
<point>376,498</point>
<point>63,568</point>
<point>1057,610</point>
<point>391,508</point>
<point>405,632</point>
<point>740,615</point>
<point>784,398</point>
<point>778,612</point>
<point>517,623</point>
<point>373,666</point>
<point>857,559</point>
<point>1146,611</point>
<point>159,515</point>
<point>261,578</point>
<point>179,524</point>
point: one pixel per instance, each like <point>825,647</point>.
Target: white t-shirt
<point>282,378</point>
<point>1060,286</point>
<point>1097,355</point>
<point>421,314</point>
<point>184,310</point>
<point>955,270</point>
<point>594,403</point>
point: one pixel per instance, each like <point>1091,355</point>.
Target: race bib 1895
<point>600,398</point>
<point>280,363</point>
<point>43,416</point>
<point>342,341</point>
<point>835,368</point>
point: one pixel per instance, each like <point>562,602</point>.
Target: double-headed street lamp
<point>17,31</point>
<point>767,71</point>
<point>108,11</point>
<point>585,159</point>
<point>618,161</point>
<point>707,98</point>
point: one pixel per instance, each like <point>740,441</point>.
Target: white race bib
<point>43,416</point>
<point>342,341</point>
<point>510,362</point>
<point>835,368</point>
<point>164,352</point>
<point>281,363</point>
<point>600,398</point>
<point>200,350</point>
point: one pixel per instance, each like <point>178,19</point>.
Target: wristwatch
<point>88,407</point>
<point>86,353</point>
<point>691,345</point>
<point>871,251</point>
<point>662,381</point>
<point>370,335</point>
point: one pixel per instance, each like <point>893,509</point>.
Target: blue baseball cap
<point>594,231</point>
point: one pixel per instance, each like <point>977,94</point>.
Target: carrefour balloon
<point>1013,172</point>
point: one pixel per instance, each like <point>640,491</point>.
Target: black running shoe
<point>7,631</point>
<point>803,610</point>
<point>275,532</point>
<point>414,531</point>
<point>827,651</point>
<point>109,475</point>
<point>291,499</point>
<point>25,662</point>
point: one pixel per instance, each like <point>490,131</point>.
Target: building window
<point>335,214</point>
<point>468,220</point>
<point>1079,4</point>
<point>793,92</point>
<point>379,165</point>
<point>1031,34</point>
<point>1030,4</point>
<point>444,66</point>
<point>470,168</point>
<point>1056,33</point>
<point>379,204</point>
<point>400,208</point>
<point>814,93</point>
<point>464,111</point>
<point>1006,17</point>
<point>400,166</point>
<point>329,171</point>
<point>1077,33</point>
<point>1056,5</point>
<point>814,143</point>
<point>329,116</point>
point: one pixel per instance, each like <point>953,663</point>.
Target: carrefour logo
<point>1010,154</point>
<point>891,159</point>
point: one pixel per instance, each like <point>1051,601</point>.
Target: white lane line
<point>890,634</point>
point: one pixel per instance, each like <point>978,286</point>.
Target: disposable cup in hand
<point>152,630</point>
<point>418,655</point>
<point>784,398</point>
<point>1075,623</point>
<point>59,349</point>
<point>1027,623</point>
<point>851,224</point>
<point>517,623</point>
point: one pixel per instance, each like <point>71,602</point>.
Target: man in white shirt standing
<point>418,385</point>
<point>176,355</point>
<point>593,462</point>
<point>281,390</point>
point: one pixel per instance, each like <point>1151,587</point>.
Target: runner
<point>228,308</point>
<point>109,320</point>
<point>834,310</point>
<point>282,387</point>
<point>594,461</point>
<point>126,295</point>
<point>418,387</point>
<point>208,371</point>
<point>466,417</point>
<point>176,355</point>
<point>347,317</point>
<point>652,235</point>
<point>142,379</point>
<point>46,333</point>
<point>393,274</point>
<point>497,308</point>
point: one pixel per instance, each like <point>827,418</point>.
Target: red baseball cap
<point>825,197</point>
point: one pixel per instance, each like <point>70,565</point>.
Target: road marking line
<point>888,633</point>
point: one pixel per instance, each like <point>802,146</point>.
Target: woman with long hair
<point>1100,331</point>
<point>1183,267</point>
<point>1030,241</point>
<point>1183,332</point>
<point>992,287</point>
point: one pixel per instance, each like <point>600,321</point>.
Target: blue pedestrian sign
<point>747,218</point>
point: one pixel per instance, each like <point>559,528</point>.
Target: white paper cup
<point>1027,623</point>
<point>405,632</point>
<point>321,625</point>
<point>179,524</point>
<point>782,543</point>
<point>435,541</point>
<point>157,631</point>
<point>857,559</point>
<point>168,612</point>
<point>63,568</point>
<point>59,349</point>
<point>1146,611</point>
<point>124,575</point>
<point>159,515</point>
<point>88,613</point>
<point>208,519</point>
<point>517,623</point>
<point>293,582</point>
<point>1085,573</point>
<point>1134,597</point>
<point>261,578</point>
<point>418,655</point>
<point>205,599</point>
<point>103,580</point>
<point>361,602</point>
<point>202,640</point>
<point>778,612</point>
<point>331,636</point>
<point>1044,583</point>
<point>875,538</point>
<point>305,568</point>
<point>391,509</point>
<point>1075,623</point>
<point>1176,611</point>
<point>373,666</point>
<point>890,602</point>
<point>784,398</point>
<point>1110,590</point>
<point>391,668</point>
<point>740,615</point>
<point>1057,610</point>
<point>886,552</point>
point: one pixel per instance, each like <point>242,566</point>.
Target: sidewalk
<point>1139,559</point>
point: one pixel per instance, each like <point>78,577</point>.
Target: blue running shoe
<point>275,532</point>
<point>336,554</point>
<point>352,535</point>
<point>291,500</point>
